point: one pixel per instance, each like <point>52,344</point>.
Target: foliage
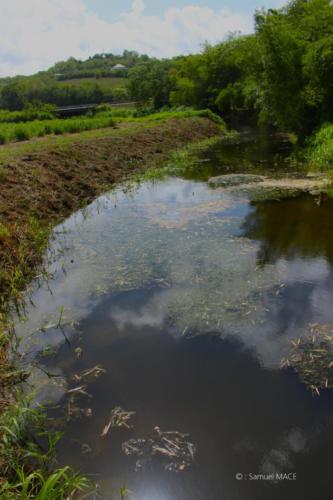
<point>150,81</point>
<point>21,91</point>
<point>280,75</point>
<point>219,78</point>
<point>21,247</point>
<point>30,112</point>
<point>295,85</point>
<point>320,149</point>
<point>27,457</point>
<point>12,132</point>
<point>99,65</point>
<point>182,113</point>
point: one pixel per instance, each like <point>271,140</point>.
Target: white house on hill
<point>118,66</point>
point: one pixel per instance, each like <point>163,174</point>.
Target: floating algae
<point>165,238</point>
<point>312,358</point>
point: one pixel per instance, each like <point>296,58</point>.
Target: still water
<point>189,297</point>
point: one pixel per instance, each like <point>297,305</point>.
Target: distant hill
<point>100,78</point>
<point>100,65</point>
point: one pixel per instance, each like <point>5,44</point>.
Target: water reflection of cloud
<point>280,458</point>
<point>215,283</point>
<point>147,316</point>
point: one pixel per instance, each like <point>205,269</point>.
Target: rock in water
<point>234,179</point>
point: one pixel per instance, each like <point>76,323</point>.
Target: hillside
<point>71,82</point>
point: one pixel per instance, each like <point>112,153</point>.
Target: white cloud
<point>37,33</point>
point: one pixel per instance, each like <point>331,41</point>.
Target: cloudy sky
<point>37,33</point>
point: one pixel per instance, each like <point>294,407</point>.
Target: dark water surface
<point>189,297</point>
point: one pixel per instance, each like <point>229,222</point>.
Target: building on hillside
<point>118,67</point>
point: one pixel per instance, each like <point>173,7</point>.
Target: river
<point>189,297</point>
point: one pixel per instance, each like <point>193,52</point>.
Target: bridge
<point>81,109</point>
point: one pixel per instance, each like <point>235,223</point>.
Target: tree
<point>150,82</point>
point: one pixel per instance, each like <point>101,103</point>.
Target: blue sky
<point>37,33</point>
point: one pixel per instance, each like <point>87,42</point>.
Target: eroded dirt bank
<point>52,183</point>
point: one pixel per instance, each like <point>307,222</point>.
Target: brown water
<point>189,297</point>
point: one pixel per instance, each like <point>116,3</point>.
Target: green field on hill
<point>106,82</point>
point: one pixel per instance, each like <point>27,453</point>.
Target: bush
<point>319,151</point>
<point>21,134</point>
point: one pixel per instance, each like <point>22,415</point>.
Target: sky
<point>37,33</point>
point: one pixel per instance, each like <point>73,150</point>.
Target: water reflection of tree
<point>298,227</point>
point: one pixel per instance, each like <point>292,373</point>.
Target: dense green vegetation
<point>319,152</point>
<point>12,132</point>
<point>280,75</point>
<point>45,89</point>
<point>72,82</point>
<point>27,457</point>
<point>15,127</point>
<point>29,113</point>
<point>99,65</point>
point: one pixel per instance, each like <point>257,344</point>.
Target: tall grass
<point>27,457</point>
<point>106,116</point>
<point>319,152</point>
<point>44,112</point>
<point>182,113</point>
<point>12,132</point>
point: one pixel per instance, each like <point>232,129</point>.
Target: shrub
<point>319,151</point>
<point>21,134</point>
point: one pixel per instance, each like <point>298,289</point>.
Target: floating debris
<point>78,390</point>
<point>172,448</point>
<point>78,352</point>
<point>118,418</point>
<point>86,449</point>
<point>73,410</point>
<point>312,358</point>
<point>90,373</point>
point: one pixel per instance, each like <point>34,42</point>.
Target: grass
<point>181,161</point>
<point>123,118</point>
<point>15,132</point>
<point>21,246</point>
<point>28,470</point>
<point>27,457</point>
<point>45,112</point>
<point>106,117</point>
<point>103,82</point>
<point>188,113</point>
<point>319,152</point>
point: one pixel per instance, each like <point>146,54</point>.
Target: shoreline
<point>40,189</point>
<point>42,183</point>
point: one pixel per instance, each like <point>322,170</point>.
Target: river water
<point>189,297</point>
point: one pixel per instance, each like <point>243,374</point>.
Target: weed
<point>20,134</point>
<point>319,152</point>
<point>25,463</point>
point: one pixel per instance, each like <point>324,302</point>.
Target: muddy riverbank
<point>43,187</point>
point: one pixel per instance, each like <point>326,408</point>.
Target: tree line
<point>281,75</point>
